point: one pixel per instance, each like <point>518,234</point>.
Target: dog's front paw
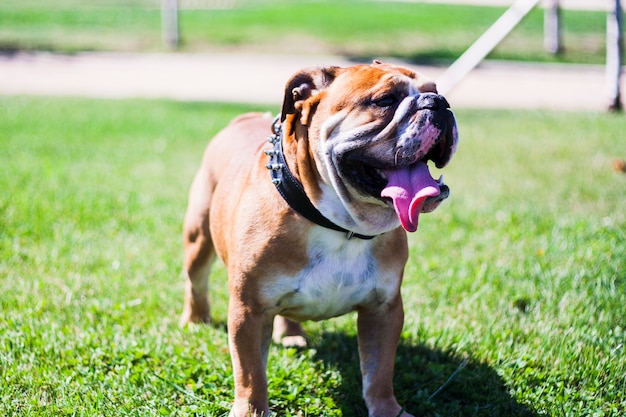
<point>400,413</point>
<point>388,409</point>
<point>242,408</point>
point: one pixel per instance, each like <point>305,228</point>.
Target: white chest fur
<point>341,276</point>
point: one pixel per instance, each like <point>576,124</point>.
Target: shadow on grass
<point>428,382</point>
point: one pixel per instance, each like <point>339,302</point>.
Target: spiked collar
<point>292,190</point>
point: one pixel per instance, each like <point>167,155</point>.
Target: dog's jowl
<point>312,224</point>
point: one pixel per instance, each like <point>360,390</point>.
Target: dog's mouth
<point>409,187</point>
<point>412,191</point>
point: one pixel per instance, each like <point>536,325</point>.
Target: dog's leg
<point>249,337</point>
<point>198,258</point>
<point>379,331</point>
<point>288,333</point>
<point>199,254</point>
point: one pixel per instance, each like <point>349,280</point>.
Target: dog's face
<point>373,129</point>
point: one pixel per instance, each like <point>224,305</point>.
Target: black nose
<point>431,101</point>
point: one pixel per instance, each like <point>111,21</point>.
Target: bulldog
<point>312,225</point>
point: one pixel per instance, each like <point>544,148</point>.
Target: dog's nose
<point>431,101</point>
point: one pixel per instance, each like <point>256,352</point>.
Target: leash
<point>292,190</point>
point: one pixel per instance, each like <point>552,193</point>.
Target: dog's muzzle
<point>425,130</point>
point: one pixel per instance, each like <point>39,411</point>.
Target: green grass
<point>417,32</point>
<point>514,293</point>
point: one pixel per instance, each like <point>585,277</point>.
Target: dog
<point>312,224</point>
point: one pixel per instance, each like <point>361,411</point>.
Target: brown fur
<point>274,255</point>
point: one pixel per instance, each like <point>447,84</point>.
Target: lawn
<point>514,293</point>
<point>417,32</point>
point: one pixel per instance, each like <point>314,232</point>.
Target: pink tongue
<point>408,188</point>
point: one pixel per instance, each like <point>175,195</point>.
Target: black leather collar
<point>291,189</point>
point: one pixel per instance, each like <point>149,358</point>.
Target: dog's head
<point>371,131</point>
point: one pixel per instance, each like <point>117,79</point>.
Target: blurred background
<point>419,31</point>
<point>224,38</point>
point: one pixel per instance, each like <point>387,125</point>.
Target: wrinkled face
<point>383,125</point>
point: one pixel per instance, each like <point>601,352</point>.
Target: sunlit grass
<point>514,293</point>
<point>419,32</point>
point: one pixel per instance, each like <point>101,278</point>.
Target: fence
<point>487,42</point>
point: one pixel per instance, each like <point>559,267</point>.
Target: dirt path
<point>260,79</point>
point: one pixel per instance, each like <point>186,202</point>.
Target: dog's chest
<point>340,276</point>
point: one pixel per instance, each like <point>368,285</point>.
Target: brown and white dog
<point>310,228</point>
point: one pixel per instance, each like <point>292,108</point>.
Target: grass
<point>514,293</point>
<point>416,32</point>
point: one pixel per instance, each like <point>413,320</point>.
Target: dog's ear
<point>304,85</point>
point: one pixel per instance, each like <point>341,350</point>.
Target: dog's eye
<point>386,101</point>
